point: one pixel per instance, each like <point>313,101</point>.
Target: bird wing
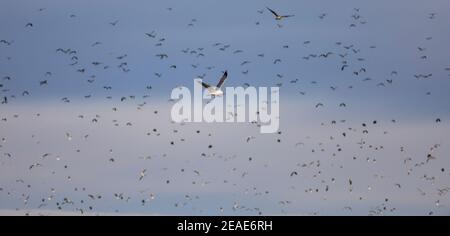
<point>222,80</point>
<point>205,85</point>
<point>287,16</point>
<point>273,12</point>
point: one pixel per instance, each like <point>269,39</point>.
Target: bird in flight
<point>216,91</point>
<point>278,17</point>
<point>114,23</point>
<point>142,174</point>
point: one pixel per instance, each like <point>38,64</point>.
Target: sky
<point>386,139</point>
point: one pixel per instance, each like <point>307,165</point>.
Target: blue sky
<point>386,38</point>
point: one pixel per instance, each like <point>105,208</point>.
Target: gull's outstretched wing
<point>205,85</point>
<point>273,12</point>
<point>224,77</point>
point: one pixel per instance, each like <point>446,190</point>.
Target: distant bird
<point>5,100</point>
<point>151,35</point>
<point>142,174</point>
<point>250,138</point>
<point>326,54</point>
<point>29,25</point>
<point>162,56</point>
<point>5,42</point>
<point>431,15</point>
<point>322,16</point>
<point>122,57</point>
<point>278,17</point>
<point>114,23</point>
<point>245,62</point>
<point>216,91</point>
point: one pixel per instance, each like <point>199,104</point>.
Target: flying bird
<point>5,42</point>
<point>278,17</point>
<point>216,91</point>
<point>151,35</point>
<point>142,174</point>
<point>114,23</point>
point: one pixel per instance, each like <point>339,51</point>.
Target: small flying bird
<point>114,23</point>
<point>151,35</point>
<point>5,42</point>
<point>322,16</point>
<point>122,57</point>
<point>278,17</point>
<point>245,62</point>
<point>216,91</point>
<point>142,174</point>
<point>161,56</point>
<point>325,54</point>
<point>250,138</point>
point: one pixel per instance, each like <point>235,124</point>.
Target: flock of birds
<point>346,58</point>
